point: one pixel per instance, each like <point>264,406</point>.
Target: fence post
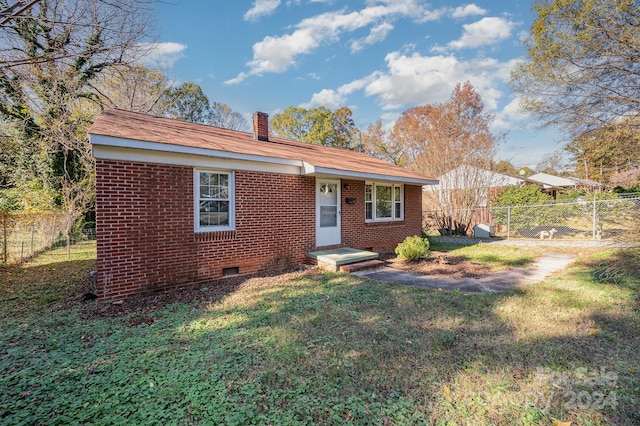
<point>4,239</point>
<point>508,222</point>
<point>32,235</point>
<point>593,227</point>
<point>53,229</point>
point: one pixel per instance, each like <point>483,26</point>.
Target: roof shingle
<point>146,128</point>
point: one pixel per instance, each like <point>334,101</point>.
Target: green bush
<point>413,248</point>
<point>523,218</point>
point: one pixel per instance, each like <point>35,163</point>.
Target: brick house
<point>181,203</point>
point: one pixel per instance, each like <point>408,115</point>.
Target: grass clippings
<point>312,347</point>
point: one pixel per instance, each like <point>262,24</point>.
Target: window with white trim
<point>383,202</point>
<point>214,200</point>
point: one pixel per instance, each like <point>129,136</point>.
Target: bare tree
<point>52,52</point>
<point>378,142</point>
<point>345,133</point>
<point>582,70</point>
<point>50,55</point>
<point>133,88</point>
<point>552,163</point>
<point>222,115</point>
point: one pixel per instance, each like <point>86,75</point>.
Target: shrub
<point>523,218</point>
<point>413,248</point>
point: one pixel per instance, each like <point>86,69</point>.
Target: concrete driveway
<point>541,268</point>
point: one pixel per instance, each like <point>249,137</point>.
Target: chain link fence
<point>580,220</point>
<point>23,235</point>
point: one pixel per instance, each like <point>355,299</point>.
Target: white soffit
<point>104,152</point>
<point>101,140</point>
<point>311,170</point>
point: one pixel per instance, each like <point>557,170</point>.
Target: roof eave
<point>305,167</point>
<point>105,140</point>
<point>311,170</point>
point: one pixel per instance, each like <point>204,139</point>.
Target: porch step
<point>332,260</point>
<point>361,266</point>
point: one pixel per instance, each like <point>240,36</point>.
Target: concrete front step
<point>332,260</point>
<point>361,266</point>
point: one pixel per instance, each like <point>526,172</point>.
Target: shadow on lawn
<point>314,347</point>
<point>26,287</point>
<point>332,339</point>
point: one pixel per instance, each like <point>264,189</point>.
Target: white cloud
<point>327,97</point>
<point>418,80</point>
<point>389,118</point>
<point>434,15</point>
<point>486,31</point>
<point>349,88</point>
<point>511,113</point>
<point>467,10</point>
<point>377,34</point>
<point>413,80</point>
<point>237,79</point>
<point>162,55</point>
<point>336,98</point>
<point>277,54</point>
<point>524,36</point>
<point>261,8</point>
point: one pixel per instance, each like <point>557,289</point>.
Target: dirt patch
<point>140,308</point>
<point>441,264</point>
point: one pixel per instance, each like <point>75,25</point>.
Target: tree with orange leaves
<point>437,139</point>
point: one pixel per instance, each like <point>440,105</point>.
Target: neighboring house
<point>550,184</point>
<point>585,183</point>
<point>460,199</point>
<point>181,203</point>
<point>485,183</point>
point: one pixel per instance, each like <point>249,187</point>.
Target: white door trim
<point>329,231</point>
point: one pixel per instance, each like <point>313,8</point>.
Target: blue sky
<point>376,57</point>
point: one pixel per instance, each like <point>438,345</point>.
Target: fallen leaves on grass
<point>442,264</point>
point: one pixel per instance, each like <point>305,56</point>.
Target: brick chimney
<point>261,126</point>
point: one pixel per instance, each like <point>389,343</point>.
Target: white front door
<point>328,227</point>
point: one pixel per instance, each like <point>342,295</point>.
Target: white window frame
<point>232,201</point>
<point>393,217</point>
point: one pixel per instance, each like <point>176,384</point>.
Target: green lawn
<point>312,347</point>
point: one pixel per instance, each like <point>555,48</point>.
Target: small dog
<point>547,234</point>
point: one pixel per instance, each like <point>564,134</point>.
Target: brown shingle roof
<point>147,128</point>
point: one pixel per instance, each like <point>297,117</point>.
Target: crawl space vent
<point>227,272</point>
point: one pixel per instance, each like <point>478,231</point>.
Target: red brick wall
<point>146,238</point>
<point>381,237</point>
<point>145,229</point>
